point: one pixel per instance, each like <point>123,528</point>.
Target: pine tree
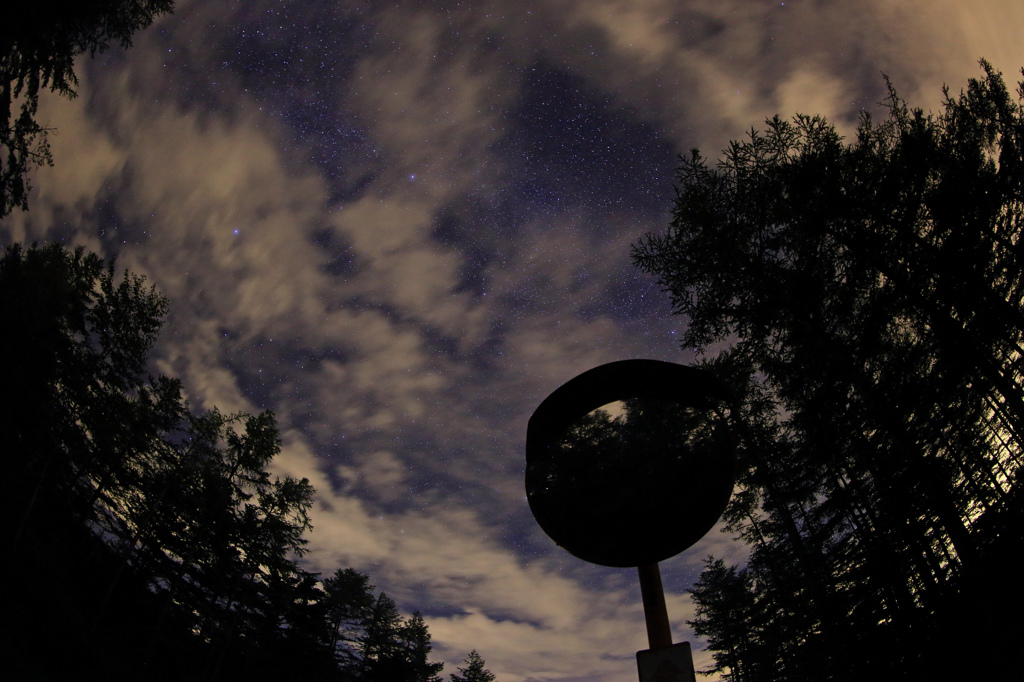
<point>152,541</point>
<point>868,300</point>
<point>416,642</point>
<point>380,647</point>
<point>349,602</point>
<point>184,547</point>
<point>38,46</point>
<point>77,410</point>
<point>474,670</point>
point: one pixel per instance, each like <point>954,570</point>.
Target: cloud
<point>433,109</point>
<point>381,472</point>
<point>499,604</point>
<point>708,71</point>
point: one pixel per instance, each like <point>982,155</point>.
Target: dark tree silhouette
<point>76,406</point>
<point>474,671</point>
<point>416,640</point>
<point>137,521</point>
<point>380,647</point>
<point>727,617</point>
<point>394,649</point>
<point>865,301</point>
<point>38,45</point>
<point>219,540</point>
<point>149,540</point>
<point>349,606</point>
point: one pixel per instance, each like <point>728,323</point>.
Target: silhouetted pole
<point>659,632</point>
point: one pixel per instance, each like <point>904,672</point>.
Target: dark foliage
<point>393,649</point>
<point>38,44</point>
<point>865,301</point>
<point>474,670</point>
<point>146,541</point>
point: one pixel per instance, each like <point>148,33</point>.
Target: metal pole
<point>659,632</point>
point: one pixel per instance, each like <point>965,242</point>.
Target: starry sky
<point>401,225</point>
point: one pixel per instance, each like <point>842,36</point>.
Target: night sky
<point>401,225</point>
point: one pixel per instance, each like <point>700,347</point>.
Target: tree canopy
<point>147,540</point>
<point>474,670</point>
<point>864,299</point>
<point>38,45</point>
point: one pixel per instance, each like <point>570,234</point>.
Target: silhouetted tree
<point>349,605</point>
<point>726,617</point>
<point>416,641</point>
<point>380,646</point>
<point>474,671</point>
<point>79,423</point>
<point>153,542</point>
<point>38,45</point>
<point>865,298</point>
<point>112,474</point>
<point>76,409</point>
<point>394,649</point>
<point>223,539</point>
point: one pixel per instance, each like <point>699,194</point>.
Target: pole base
<point>672,664</point>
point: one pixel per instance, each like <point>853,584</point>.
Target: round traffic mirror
<point>631,462</point>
